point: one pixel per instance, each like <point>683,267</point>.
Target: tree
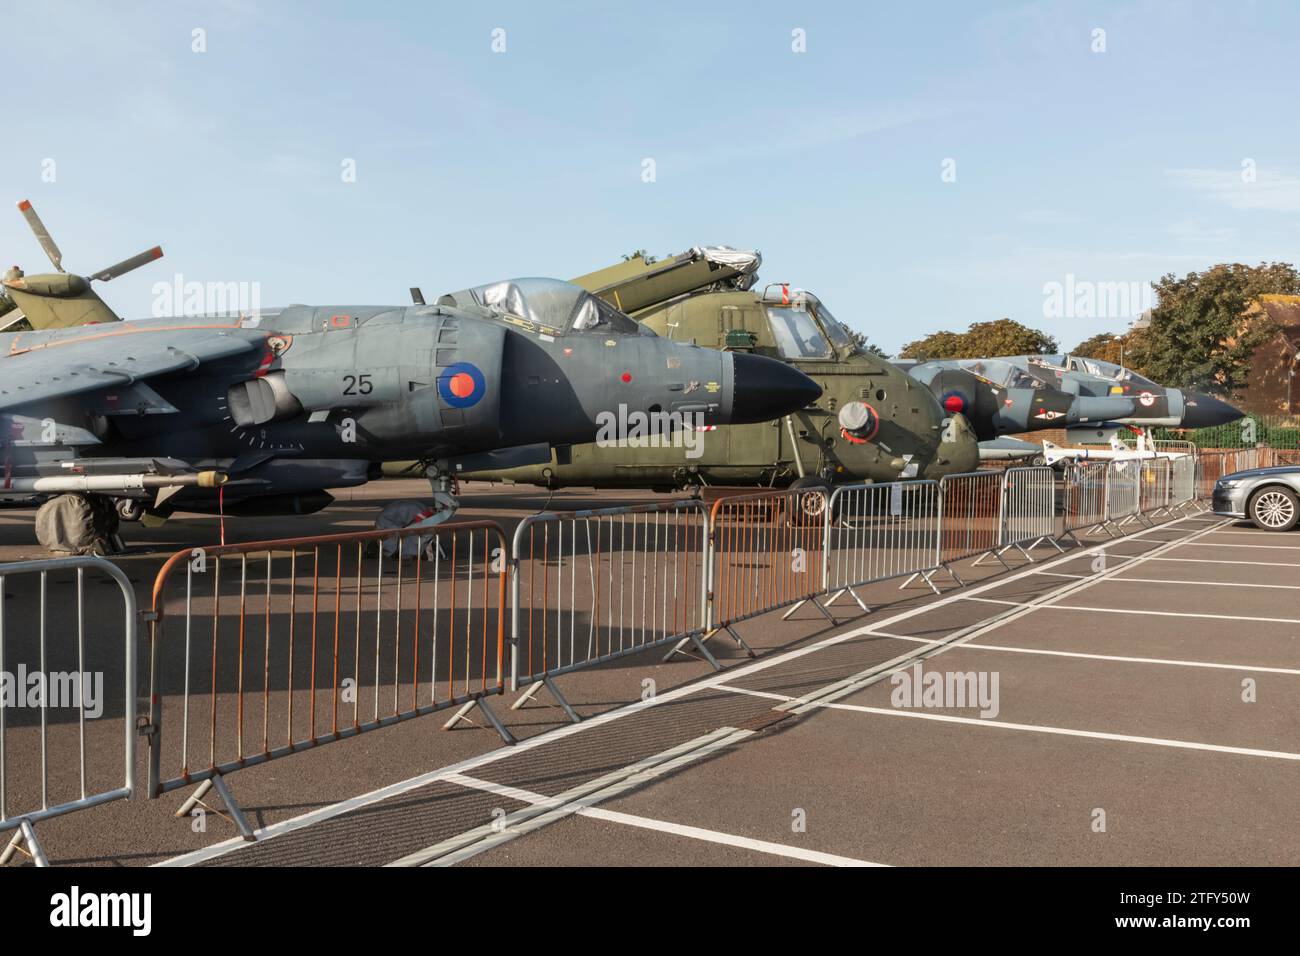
<point>1104,345</point>
<point>1197,337</point>
<point>981,340</point>
<point>860,340</point>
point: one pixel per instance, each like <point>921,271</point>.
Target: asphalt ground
<point>1120,735</point>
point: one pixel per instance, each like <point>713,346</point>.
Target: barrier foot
<point>25,834</point>
<point>232,813</point>
<point>534,689</point>
<point>925,576</point>
<point>741,641</point>
<point>481,704</point>
<point>851,593</point>
<point>698,641</point>
<point>825,613</point>
<point>793,608</point>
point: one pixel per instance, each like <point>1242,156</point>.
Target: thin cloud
<point>1272,190</point>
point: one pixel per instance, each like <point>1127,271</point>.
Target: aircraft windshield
<point>555,305</point>
<point>837,333</point>
<point>796,333</point>
<point>1002,373</point>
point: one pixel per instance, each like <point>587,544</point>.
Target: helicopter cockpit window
<point>837,333</point>
<point>796,333</point>
<point>553,305</point>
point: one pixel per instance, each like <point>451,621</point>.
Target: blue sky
<point>471,165</point>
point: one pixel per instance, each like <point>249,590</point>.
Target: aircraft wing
<point>62,367</point>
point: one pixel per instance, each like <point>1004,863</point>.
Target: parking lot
<point>1144,711</point>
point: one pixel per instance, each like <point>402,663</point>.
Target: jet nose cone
<point>766,388</point>
<point>1206,411</point>
<point>1092,409</point>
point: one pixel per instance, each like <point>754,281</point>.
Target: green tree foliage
<point>861,342</point>
<point>1197,338</point>
<point>981,340</point>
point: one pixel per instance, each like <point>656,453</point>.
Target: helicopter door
<point>748,446</point>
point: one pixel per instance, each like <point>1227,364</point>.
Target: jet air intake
<point>262,400</point>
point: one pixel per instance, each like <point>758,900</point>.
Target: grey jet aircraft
<point>261,413</point>
<point>1020,393</point>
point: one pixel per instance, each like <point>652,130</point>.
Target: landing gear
<point>130,509</point>
<point>445,489</point>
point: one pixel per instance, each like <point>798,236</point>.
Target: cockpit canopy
<point>1001,372</point>
<point>552,305</point>
<point>1097,368</point>
<point>804,328</point>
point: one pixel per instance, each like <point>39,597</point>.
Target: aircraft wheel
<point>1274,509</point>
<point>809,497</point>
<point>130,509</point>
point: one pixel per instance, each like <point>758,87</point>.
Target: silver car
<point>1270,497</point>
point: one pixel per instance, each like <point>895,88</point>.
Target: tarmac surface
<point>1141,705</point>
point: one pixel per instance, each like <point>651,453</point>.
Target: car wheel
<point>1274,509</point>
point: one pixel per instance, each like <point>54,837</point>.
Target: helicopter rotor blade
<point>126,265</point>
<point>42,234</point>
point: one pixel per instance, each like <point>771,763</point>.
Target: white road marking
<point>1066,731</point>
<point>1221,544</point>
<point>322,814</point>
<point>1119,610</point>
<point>1107,657</point>
<point>1212,584</point>
<point>675,829</point>
<point>537,815</point>
<point>1261,564</point>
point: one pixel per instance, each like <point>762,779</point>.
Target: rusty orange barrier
<point>261,650</point>
<point>766,553</point>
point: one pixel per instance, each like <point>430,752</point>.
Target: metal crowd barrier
<point>1182,489</point>
<point>1085,498</point>
<point>262,650</point>
<point>1155,488</point>
<point>1123,497</point>
<point>879,532</point>
<point>970,517</point>
<point>765,554</point>
<point>27,798</point>
<point>592,586</point>
<point>1028,509</point>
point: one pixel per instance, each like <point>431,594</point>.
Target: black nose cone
<point>766,388</point>
<point>1206,411</point>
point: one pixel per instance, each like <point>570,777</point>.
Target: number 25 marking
<point>357,385</point>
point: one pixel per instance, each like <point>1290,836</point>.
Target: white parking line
<point>1066,731</point>
<point>1209,584</point>
<point>1119,610</point>
<point>675,829</point>
<point>1251,668</point>
<point>1030,728</point>
<point>1261,564</point>
<point>548,810</point>
<point>322,814</point>
<point>1220,544</point>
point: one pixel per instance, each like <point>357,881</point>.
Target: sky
<point>917,166</point>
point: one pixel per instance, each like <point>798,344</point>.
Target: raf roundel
<point>461,385</point>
